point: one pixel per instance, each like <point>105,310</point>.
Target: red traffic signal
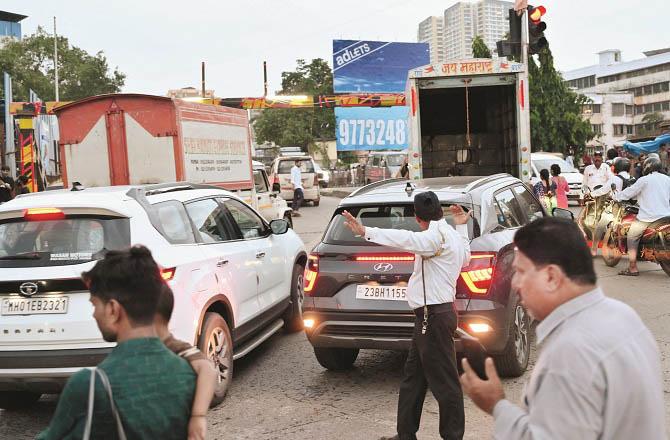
<point>535,13</point>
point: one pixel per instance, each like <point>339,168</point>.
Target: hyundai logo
<point>383,267</point>
<point>28,289</point>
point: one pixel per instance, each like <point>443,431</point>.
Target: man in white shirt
<point>598,372</point>
<point>298,194</point>
<point>652,192</point>
<point>441,251</point>
<point>597,174</point>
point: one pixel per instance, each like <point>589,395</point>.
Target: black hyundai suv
<point>355,290</point>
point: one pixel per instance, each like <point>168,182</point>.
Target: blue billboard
<point>360,128</point>
<point>375,66</point>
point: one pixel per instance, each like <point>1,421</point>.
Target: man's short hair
<point>165,303</point>
<point>130,277</point>
<point>4,168</point>
<point>427,206</point>
<point>552,240</point>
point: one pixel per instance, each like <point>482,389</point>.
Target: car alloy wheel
<point>218,350</point>
<point>521,324</point>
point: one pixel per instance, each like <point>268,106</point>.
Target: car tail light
<point>384,257</point>
<point>311,273</point>
<point>478,275</point>
<point>43,214</point>
<point>168,274</point>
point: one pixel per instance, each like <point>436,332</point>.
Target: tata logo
<point>383,267</point>
<point>28,289</point>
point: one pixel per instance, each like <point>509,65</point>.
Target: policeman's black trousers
<point>431,363</point>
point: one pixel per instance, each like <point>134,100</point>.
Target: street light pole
<point>56,60</point>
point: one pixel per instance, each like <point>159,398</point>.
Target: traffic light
<point>536,28</point>
<point>512,45</point>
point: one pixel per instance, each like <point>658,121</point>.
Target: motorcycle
<point>589,216</point>
<point>654,245</point>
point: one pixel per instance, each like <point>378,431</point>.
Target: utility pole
<point>203,79</point>
<point>56,60</point>
<point>265,79</point>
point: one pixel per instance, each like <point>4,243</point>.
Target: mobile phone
<point>474,352</point>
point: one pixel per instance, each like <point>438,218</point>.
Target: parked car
<point>540,161</point>
<point>268,203</point>
<point>237,279</point>
<point>281,178</point>
<point>383,165</point>
<point>355,290</point>
<point>322,175</point>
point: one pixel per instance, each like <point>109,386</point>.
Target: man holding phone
<point>598,373</point>
<point>441,251</point>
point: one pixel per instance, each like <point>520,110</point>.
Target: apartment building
<point>623,92</point>
<point>465,20</point>
<point>431,31</point>
<point>10,26</point>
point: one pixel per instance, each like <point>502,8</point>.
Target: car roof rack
<point>375,185</point>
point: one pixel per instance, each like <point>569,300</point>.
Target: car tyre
<point>293,316</point>
<point>514,359</point>
<point>665,265</point>
<point>316,202</point>
<point>216,343</point>
<point>336,359</point>
<point>14,400</point>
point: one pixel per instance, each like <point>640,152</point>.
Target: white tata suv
<point>236,278</point>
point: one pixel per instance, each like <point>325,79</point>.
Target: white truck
<point>134,139</point>
<point>469,118</point>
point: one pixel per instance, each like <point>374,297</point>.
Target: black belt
<point>435,308</point>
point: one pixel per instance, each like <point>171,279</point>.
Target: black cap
<point>427,206</point>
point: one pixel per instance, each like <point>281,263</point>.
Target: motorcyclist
<point>597,183</point>
<point>652,192</point>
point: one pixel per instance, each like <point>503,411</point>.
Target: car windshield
<point>400,216</point>
<point>395,160</point>
<point>306,166</point>
<point>542,164</point>
<point>60,242</point>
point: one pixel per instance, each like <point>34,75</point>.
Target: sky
<point>159,45</point>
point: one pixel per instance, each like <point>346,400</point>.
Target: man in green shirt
<point>152,387</point>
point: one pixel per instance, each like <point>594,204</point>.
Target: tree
<point>555,111</point>
<point>480,49</point>
<point>651,121</point>
<point>300,127</point>
<point>30,63</point>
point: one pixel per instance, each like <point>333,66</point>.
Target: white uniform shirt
<point>598,176</point>
<point>598,376</point>
<point>296,176</point>
<point>618,182</point>
<point>443,271</point>
<point>652,193</point>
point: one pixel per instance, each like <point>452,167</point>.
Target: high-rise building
<point>622,93</point>
<point>10,26</point>
<point>465,20</point>
<point>431,31</point>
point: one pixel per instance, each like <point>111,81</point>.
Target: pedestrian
<point>545,191</point>
<point>6,185</point>
<point>431,363</point>
<point>152,388</point>
<point>637,171</point>
<point>652,192</point>
<point>663,155</point>
<point>22,185</point>
<point>207,376</point>
<point>570,159</point>
<point>612,154</point>
<point>562,187</point>
<point>298,190</point>
<point>598,371</point>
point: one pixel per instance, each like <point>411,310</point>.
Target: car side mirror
<point>279,226</point>
<point>563,213</point>
<point>273,195</point>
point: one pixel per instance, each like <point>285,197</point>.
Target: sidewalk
<point>338,192</point>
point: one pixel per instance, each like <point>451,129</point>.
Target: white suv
<point>237,279</point>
